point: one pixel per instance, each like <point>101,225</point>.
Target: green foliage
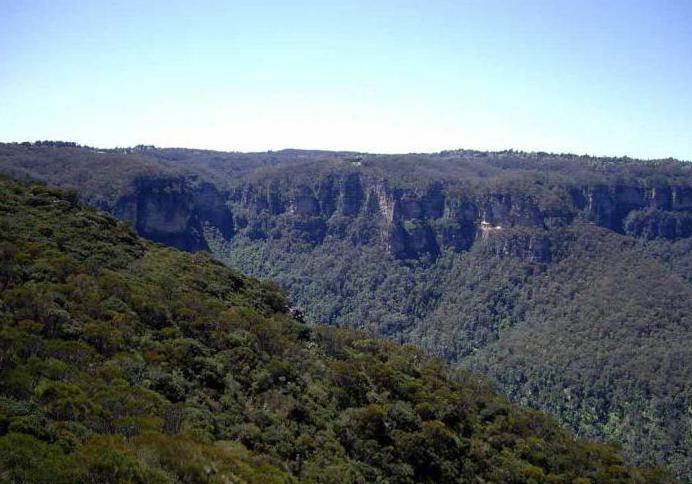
<point>599,338</point>
<point>123,361</point>
<point>25,459</point>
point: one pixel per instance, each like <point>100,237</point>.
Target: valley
<point>564,279</point>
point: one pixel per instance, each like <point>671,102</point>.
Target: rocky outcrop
<point>413,205</point>
<point>653,223</point>
<point>528,245</point>
<point>409,222</point>
<point>350,195</point>
<point>172,211</point>
<point>424,222</point>
<point>614,206</point>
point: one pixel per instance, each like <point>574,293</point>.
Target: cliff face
<point>409,223</point>
<point>414,206</point>
<point>414,223</point>
<point>658,211</point>
<point>173,211</point>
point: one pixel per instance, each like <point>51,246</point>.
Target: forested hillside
<point>600,337</point>
<point>566,279</point>
<point>125,361</point>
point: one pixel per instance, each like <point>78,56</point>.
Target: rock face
<point>173,211</point>
<point>413,223</point>
<point>410,223</point>
<point>610,206</point>
<point>652,223</point>
<point>414,206</point>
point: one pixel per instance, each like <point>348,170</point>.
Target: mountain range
<point>566,280</point>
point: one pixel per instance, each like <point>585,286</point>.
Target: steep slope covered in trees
<point>599,337</point>
<point>124,361</point>
<point>564,278</point>
<point>604,341</point>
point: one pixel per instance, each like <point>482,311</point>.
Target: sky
<point>599,77</point>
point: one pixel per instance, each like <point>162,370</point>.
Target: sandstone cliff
<point>413,223</point>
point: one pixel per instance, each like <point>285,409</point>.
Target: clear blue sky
<point>602,77</point>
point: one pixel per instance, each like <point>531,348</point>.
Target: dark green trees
<point>123,361</point>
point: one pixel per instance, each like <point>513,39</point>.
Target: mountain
<point>566,279</point>
<point>126,361</point>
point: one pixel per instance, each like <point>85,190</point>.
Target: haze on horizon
<point>605,78</point>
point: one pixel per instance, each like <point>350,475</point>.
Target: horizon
<point>393,77</point>
<point>327,150</point>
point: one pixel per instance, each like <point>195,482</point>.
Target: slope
<point>463,253</point>
<point>124,361</point>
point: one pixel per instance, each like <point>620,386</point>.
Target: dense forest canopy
<point>125,361</point>
<point>566,279</point>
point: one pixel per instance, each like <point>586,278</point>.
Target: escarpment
<point>173,211</point>
<point>565,279</point>
<point>425,221</point>
<point>412,206</point>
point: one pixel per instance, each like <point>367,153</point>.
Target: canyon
<point>564,279</point>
